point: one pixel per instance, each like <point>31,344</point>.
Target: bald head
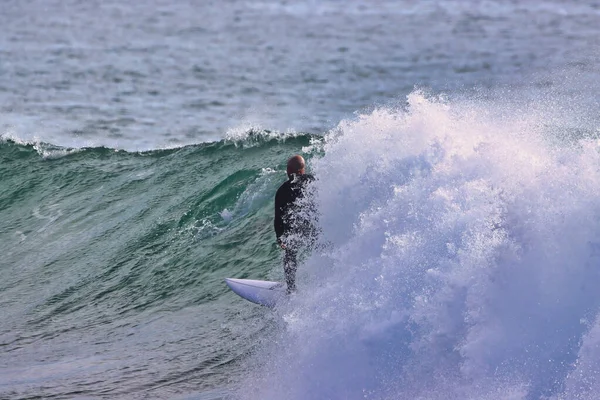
<point>295,165</point>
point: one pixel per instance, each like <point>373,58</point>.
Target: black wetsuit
<point>292,226</point>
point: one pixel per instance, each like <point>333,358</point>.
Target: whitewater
<point>461,262</point>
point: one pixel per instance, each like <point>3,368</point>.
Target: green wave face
<point>95,240</point>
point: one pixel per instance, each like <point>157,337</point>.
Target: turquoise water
<point>103,246</point>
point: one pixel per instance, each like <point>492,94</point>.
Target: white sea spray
<point>460,260</point>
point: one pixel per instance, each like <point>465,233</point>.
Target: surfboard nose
<point>265,293</point>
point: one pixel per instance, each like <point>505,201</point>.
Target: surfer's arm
<point>278,220</point>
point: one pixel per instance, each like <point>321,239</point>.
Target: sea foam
<point>460,259</point>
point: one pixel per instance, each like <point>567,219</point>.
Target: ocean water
<point>456,146</point>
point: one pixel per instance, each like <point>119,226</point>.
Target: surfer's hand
<point>280,243</point>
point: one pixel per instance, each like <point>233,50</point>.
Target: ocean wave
<point>93,238</point>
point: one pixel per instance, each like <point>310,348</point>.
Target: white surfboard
<point>265,293</point>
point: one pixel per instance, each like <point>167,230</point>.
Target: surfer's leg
<point>289,268</point>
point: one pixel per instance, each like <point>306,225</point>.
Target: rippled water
<point>158,73</point>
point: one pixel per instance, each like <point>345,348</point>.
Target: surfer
<point>292,223</point>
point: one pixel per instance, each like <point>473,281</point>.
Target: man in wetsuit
<point>292,223</point>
